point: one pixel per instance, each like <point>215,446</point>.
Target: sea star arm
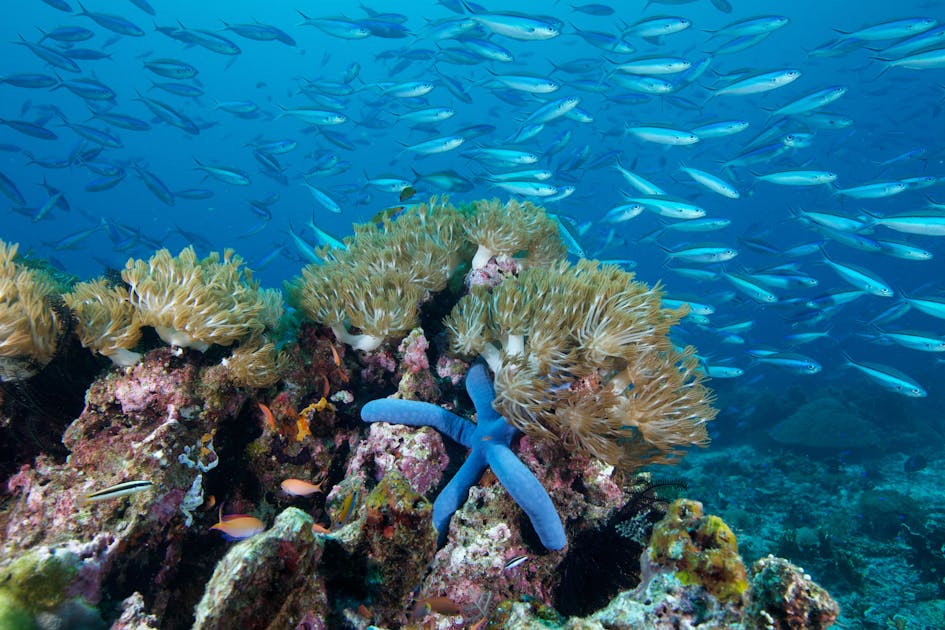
<point>528,492</point>
<point>481,392</point>
<point>453,495</point>
<point>419,414</point>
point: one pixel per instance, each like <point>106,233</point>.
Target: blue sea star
<point>489,440</point>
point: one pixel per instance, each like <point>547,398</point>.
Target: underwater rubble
<point>351,462</point>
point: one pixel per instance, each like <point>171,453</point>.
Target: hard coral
<point>827,423</point>
<point>783,597</point>
<point>377,282</point>
<point>106,320</point>
<point>581,353</point>
<point>29,325</point>
<point>195,303</point>
<point>701,549</point>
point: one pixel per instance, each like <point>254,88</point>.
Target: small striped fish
<point>113,492</point>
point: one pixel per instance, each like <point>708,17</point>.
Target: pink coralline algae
<point>419,455</point>
<point>378,366</point>
<point>144,388</point>
<point>413,350</point>
<point>416,380</point>
<point>451,368</point>
<point>493,272</point>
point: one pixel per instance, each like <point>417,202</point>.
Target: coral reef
<point>30,326</point>
<point>135,426</point>
<point>784,597</point>
<point>490,531</point>
<point>581,356</point>
<point>400,542</point>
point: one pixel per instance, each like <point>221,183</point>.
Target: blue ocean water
<point>878,353</point>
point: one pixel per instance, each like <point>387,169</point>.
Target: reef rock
<point>268,581</point>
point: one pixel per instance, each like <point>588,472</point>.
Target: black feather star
<point>605,561</point>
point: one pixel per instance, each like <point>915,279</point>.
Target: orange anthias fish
<point>268,418</point>
<point>238,526</point>
<point>440,605</point>
<point>302,488</point>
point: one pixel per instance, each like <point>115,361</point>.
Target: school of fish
<point>781,174</point>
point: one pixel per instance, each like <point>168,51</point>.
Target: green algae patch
<point>38,579</point>
<point>13,614</point>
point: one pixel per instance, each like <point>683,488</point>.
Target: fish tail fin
<point>885,69</point>
<point>651,237</point>
<point>836,191</point>
<point>872,215</point>
<point>847,359</point>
